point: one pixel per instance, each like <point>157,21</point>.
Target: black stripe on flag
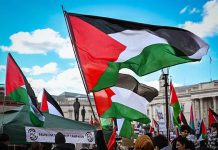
<point>183,40</point>
<point>52,101</point>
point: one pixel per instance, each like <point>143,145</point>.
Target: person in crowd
<point>161,143</point>
<point>184,132</point>
<point>47,146</point>
<point>213,137</point>
<point>4,141</point>
<point>181,143</point>
<point>143,142</point>
<point>99,137</point>
<point>76,106</point>
<point>60,142</point>
<point>83,113</point>
<point>36,146</point>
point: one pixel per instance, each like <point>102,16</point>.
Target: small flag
<point>156,125</point>
<point>182,118</point>
<point>18,89</point>
<point>112,141</point>
<point>50,105</point>
<point>212,116</point>
<point>192,123</point>
<point>174,102</point>
<point>203,131</point>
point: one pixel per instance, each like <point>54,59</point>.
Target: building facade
<point>201,96</point>
<point>66,101</point>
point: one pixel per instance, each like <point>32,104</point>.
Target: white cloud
<point>208,26</point>
<point>40,41</point>
<point>2,67</point>
<point>183,10</point>
<point>37,70</point>
<point>194,10</point>
<point>67,81</point>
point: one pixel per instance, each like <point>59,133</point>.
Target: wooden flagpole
<point>73,41</point>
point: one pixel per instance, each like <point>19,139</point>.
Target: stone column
<point>214,104</point>
<point>201,109</point>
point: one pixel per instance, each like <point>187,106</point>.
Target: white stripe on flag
<point>135,41</point>
<point>53,110</point>
<point>129,99</point>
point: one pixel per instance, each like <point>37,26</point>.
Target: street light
<point>165,73</point>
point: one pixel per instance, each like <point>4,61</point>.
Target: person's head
<point>59,138</point>
<point>83,107</point>
<point>4,138</point>
<point>160,141</point>
<point>143,142</point>
<point>185,130</point>
<point>76,99</point>
<point>47,146</point>
<point>36,146</point>
<point>181,143</point>
<point>214,127</point>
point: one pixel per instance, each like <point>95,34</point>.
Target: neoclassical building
<point>201,96</point>
<point>66,100</point>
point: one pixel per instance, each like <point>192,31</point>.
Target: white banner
<point>35,134</point>
<point>161,122</point>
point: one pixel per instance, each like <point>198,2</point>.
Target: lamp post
<point>165,73</point>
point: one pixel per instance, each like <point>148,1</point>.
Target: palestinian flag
<point>112,141</point>
<point>212,116</point>
<point>18,89</point>
<point>192,123</point>
<point>125,128</point>
<point>104,46</point>
<point>182,118</point>
<point>156,125</point>
<point>151,130</point>
<point>203,131</point>
<point>175,104</point>
<point>128,99</point>
<point>50,105</point>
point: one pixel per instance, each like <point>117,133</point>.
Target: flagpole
<point>166,100</point>
<point>72,39</point>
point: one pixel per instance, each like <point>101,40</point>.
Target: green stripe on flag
<point>126,129</point>
<point>127,113</point>
<point>151,59</point>
<point>19,95</point>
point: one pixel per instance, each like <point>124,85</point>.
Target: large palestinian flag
<point>128,99</point>
<point>50,105</point>
<point>18,89</point>
<point>104,46</point>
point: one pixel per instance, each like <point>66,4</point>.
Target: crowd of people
<point>184,141</point>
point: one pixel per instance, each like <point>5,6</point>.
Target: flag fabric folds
<point>125,128</point>
<point>105,45</point>
<point>174,102</point>
<point>18,89</point>
<point>50,105</point>
<point>128,99</point>
<point>212,116</point>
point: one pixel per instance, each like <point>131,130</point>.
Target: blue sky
<point>35,33</point>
